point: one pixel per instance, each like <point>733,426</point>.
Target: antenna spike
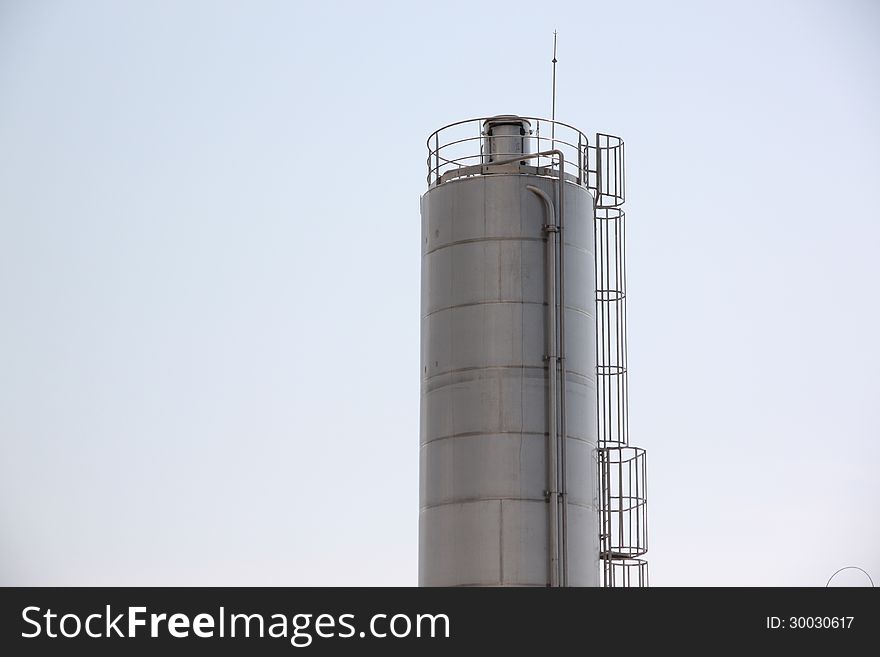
<point>553,106</point>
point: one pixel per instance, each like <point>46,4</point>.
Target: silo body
<point>484,510</point>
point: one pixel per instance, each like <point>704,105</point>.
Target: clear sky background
<point>209,277</point>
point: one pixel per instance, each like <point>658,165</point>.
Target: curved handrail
<point>596,163</point>
<point>461,143</point>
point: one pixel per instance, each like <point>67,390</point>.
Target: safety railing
<point>625,573</point>
<point>606,164</point>
<point>624,499</point>
<point>611,347</point>
<point>461,149</point>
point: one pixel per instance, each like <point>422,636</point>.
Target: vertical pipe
<point>560,247</point>
<point>562,367</point>
<point>550,231</point>
<point>437,156</point>
<point>553,108</point>
<point>580,176</point>
<point>553,372</point>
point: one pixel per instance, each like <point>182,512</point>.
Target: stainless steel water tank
<point>484,510</point>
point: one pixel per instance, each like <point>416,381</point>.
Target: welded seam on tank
<point>489,498</point>
<point>477,240</point>
<point>501,539</point>
<point>467,304</point>
<point>432,384</point>
<point>474,434</point>
<point>575,309</point>
<point>522,370</point>
<point>535,371</point>
<point>575,247</point>
<point>472,368</point>
<point>501,498</point>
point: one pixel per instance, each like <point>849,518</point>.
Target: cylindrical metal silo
<point>508,490</point>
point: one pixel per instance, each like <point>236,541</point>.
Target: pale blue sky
<point>209,264</point>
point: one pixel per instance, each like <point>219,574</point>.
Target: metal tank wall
<point>484,518</point>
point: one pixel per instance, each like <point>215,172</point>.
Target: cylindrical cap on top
<point>504,137</point>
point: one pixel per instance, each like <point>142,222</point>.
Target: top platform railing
<point>459,150</point>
